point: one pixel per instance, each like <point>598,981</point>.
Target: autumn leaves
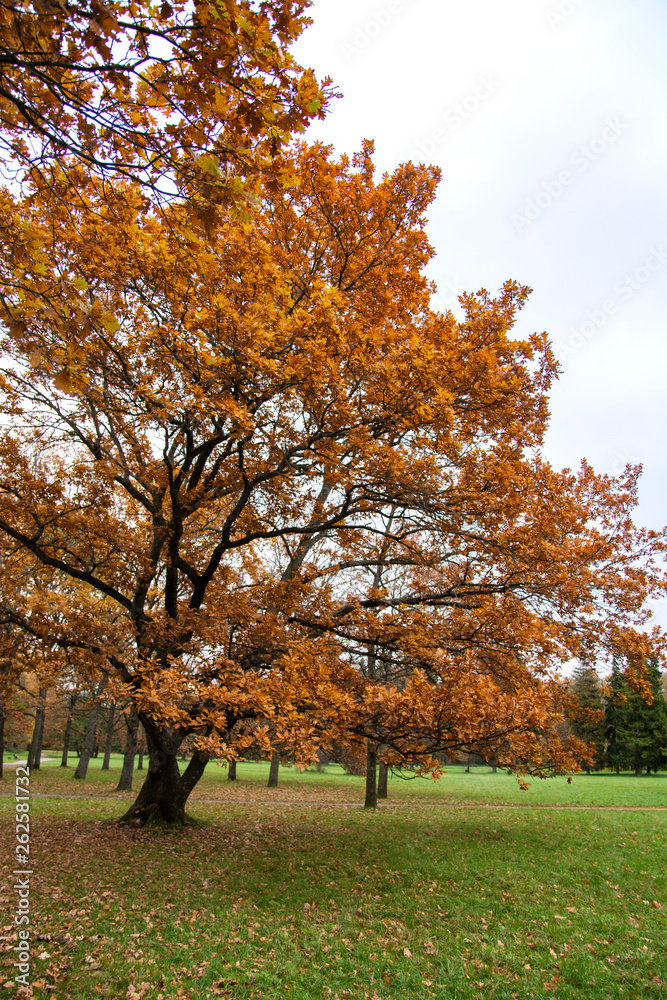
<point>249,474</point>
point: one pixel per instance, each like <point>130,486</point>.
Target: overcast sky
<point>547,118</point>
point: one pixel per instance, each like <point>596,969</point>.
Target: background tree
<point>589,722</point>
<point>130,750</point>
<point>637,725</point>
<point>109,737</point>
<point>90,737</point>
<point>259,422</point>
<point>35,752</point>
<point>72,698</point>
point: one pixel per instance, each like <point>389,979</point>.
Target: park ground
<point>461,889</point>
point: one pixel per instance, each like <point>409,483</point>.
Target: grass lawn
<point>465,888</point>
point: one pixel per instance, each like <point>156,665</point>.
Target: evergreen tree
<point>589,724</point>
<point>636,730</point>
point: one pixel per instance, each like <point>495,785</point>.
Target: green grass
<point>291,893</point>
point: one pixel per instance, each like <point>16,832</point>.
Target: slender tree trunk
<point>165,791</point>
<point>371,779</point>
<point>132,720</point>
<point>35,754</point>
<point>68,727</point>
<point>231,771</point>
<point>383,773</point>
<point>274,769</point>
<point>91,734</point>
<point>109,742</point>
<point>494,769</point>
<point>142,748</point>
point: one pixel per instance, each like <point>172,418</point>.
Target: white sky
<point>545,89</point>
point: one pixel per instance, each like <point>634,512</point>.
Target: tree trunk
<point>494,769</point>
<point>91,733</point>
<point>35,754</point>
<point>132,720</point>
<point>638,771</point>
<point>371,779</point>
<point>231,771</point>
<point>383,772</point>
<point>107,747</point>
<point>273,771</point>
<point>68,727</point>
<point>165,791</point>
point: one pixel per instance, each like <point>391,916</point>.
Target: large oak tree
<point>281,497</point>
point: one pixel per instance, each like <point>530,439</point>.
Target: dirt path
<point>22,763</point>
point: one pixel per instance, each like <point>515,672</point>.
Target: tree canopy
<point>276,464</point>
<point>183,97</point>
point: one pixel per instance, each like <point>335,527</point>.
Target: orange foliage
<point>189,95</point>
<point>278,486</point>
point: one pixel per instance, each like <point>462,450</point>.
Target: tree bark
<point>273,771</point>
<point>638,771</point>
<point>68,727</point>
<point>494,769</point>
<point>91,734</point>
<point>132,720</point>
<point>371,779</point>
<point>35,754</point>
<point>383,772</point>
<point>109,741</point>
<point>165,791</point>
<point>231,771</point>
